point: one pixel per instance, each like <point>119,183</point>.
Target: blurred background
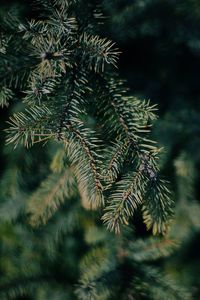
<point>160,45</point>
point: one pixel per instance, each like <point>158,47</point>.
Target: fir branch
<point>151,249</point>
<point>50,195</point>
<point>65,58</point>
<point>20,287</point>
<point>116,157</point>
<point>158,286</point>
<point>123,202</point>
<point>29,127</point>
<point>158,206</point>
<point>4,40</point>
<point>96,267</point>
<point>85,168</point>
<point>39,90</point>
<point>98,52</point>
<point>5,96</point>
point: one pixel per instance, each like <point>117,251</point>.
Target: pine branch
<point>4,40</point>
<point>66,58</point>
<point>29,127</point>
<point>98,52</point>
<point>83,157</point>
<point>96,266</point>
<point>158,286</point>
<point>123,202</point>
<point>5,96</point>
<point>116,155</point>
<point>158,206</point>
<point>50,195</point>
<point>22,286</point>
<point>150,249</point>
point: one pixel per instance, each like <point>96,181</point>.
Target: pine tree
<point>98,155</point>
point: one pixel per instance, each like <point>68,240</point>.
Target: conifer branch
<point>116,157</point>
<point>66,57</point>
<point>50,195</point>
<point>87,175</point>
<point>98,52</point>
<point>151,249</point>
<point>5,96</point>
<point>29,127</point>
<point>158,206</point>
<point>123,202</point>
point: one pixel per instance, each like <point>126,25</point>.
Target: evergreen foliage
<point>64,68</point>
<point>61,89</point>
